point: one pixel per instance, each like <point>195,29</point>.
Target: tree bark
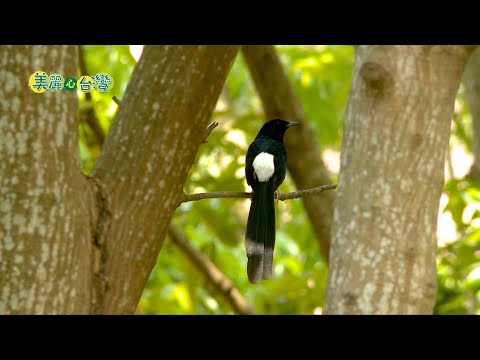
<point>471,81</point>
<point>382,258</point>
<point>305,164</point>
<point>45,236</point>
<point>77,244</point>
<point>145,161</point>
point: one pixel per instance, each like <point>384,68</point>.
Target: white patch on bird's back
<point>263,166</point>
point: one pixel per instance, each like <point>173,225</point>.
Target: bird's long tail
<point>260,236</point>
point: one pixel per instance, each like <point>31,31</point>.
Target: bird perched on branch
<point>265,169</point>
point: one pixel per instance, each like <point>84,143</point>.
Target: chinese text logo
<point>40,82</point>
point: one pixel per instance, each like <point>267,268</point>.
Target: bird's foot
<point>276,196</point>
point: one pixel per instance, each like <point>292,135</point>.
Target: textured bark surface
<point>471,81</point>
<point>382,258</point>
<point>76,244</point>
<point>146,158</point>
<point>45,201</point>
<point>305,164</point>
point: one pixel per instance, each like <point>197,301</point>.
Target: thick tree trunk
<point>76,244</point>
<point>45,237</point>
<point>471,81</point>
<point>145,161</point>
<point>304,156</point>
<point>382,258</point>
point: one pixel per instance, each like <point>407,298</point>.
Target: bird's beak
<point>292,123</point>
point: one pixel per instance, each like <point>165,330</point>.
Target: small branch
<point>215,195</point>
<point>243,195</point>
<point>215,277</point>
<point>117,100</point>
<point>209,129</point>
<point>308,192</point>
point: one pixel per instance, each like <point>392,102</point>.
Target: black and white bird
<point>265,169</point>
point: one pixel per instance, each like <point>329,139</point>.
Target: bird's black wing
<point>280,164</point>
<point>253,150</point>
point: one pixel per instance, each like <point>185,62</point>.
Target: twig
<point>117,100</point>
<point>209,129</point>
<point>215,277</point>
<point>308,192</point>
<point>240,195</point>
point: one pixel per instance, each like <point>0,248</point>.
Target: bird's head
<point>276,128</point>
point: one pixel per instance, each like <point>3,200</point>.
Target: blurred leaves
<point>116,61</point>
<point>458,262</point>
<point>321,76</point>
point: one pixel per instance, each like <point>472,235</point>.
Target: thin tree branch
<point>222,284</point>
<point>242,195</point>
<point>307,192</point>
<point>117,100</point>
<point>209,129</point>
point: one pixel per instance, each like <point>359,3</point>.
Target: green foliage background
<point>320,76</point>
